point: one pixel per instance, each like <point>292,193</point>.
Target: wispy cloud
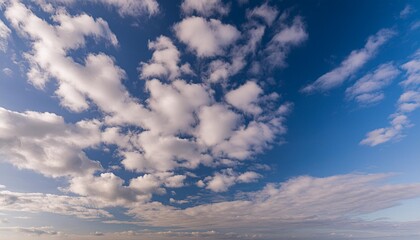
<point>351,64</point>
<point>407,102</point>
<point>368,89</point>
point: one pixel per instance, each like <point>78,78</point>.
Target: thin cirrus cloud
<point>351,64</point>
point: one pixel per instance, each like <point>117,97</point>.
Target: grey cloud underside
<point>332,205</point>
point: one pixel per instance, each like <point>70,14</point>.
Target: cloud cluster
<point>206,38</point>
<point>325,204</point>
<point>408,101</point>
<point>45,143</point>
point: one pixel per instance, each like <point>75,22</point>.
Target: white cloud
<point>80,207</point>
<point>8,72</point>
<point>245,97</point>
<point>265,12</point>
<point>45,143</point>
<point>217,123</point>
<point>368,89</point>
<point>381,135</point>
<point>407,10</point>
<point>173,105</point>
<point>204,8</point>
<point>222,181</point>
<point>4,35</point>
<point>280,45</point>
<point>164,62</point>
<point>206,38</point>
<point>351,64</point>
<point>254,137</point>
<point>408,101</point>
<point>77,83</point>
<point>325,204</point>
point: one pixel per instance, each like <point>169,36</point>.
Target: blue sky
<point>209,119</point>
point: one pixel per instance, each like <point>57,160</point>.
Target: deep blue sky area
<point>209,119</point>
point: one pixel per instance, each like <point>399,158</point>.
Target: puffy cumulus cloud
<point>351,64</point>
<point>109,190</point>
<point>106,188</point>
<point>204,8</point>
<point>80,207</point>
<point>4,35</point>
<point>45,143</point>
<point>164,62</point>
<point>124,7</point>
<point>173,105</point>
<point>325,204</point>
<point>206,38</point>
<point>245,97</point>
<point>289,35</point>
<point>256,136</point>
<point>223,180</point>
<point>179,126</point>
<point>217,123</point>
<point>98,80</point>
<point>368,89</point>
<point>163,153</point>
<point>408,101</point>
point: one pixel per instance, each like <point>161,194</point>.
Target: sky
<point>209,119</point>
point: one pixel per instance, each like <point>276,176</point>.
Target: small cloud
<point>407,11</point>
<point>7,71</point>
<point>98,234</point>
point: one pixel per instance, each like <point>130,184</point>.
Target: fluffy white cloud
<point>206,37</point>
<point>223,180</point>
<point>351,64</point>
<point>245,97</point>
<point>45,143</point>
<point>98,80</point>
<point>164,62</point>
<point>217,123</point>
<point>4,35</point>
<point>173,105</point>
<point>204,8</point>
<point>254,137</point>
<point>367,89</point>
